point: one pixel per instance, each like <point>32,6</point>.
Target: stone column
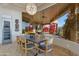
<point>77,22</point>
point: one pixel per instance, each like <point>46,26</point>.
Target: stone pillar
<point>70,30</point>
<point>77,22</point>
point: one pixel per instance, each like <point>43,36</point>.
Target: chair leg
<point>25,52</point>
<point>52,51</point>
<point>18,48</point>
<point>46,53</point>
<point>36,52</point>
<point>22,52</point>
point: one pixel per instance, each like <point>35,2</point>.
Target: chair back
<point>49,38</point>
<point>18,39</point>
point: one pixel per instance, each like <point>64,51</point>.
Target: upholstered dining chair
<point>26,45</point>
<point>46,45</point>
<point>18,40</point>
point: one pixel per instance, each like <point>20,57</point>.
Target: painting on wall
<point>16,25</point>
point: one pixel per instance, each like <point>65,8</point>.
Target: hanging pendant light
<point>31,8</point>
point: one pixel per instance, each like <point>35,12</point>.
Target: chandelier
<point>31,8</point>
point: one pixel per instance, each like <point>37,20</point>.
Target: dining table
<point>36,42</point>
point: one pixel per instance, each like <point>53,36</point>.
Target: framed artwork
<point>16,25</point>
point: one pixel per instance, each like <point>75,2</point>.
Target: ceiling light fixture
<point>31,8</point>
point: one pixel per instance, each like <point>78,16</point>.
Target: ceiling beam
<point>45,6</point>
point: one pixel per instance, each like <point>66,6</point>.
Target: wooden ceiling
<point>49,14</point>
<point>22,6</point>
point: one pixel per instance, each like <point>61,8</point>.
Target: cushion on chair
<point>43,46</point>
<point>41,42</point>
<point>32,37</point>
<point>30,45</point>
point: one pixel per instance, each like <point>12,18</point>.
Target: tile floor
<point>11,50</point>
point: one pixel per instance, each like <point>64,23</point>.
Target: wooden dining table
<point>35,42</point>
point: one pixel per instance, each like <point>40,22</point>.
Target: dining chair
<point>26,45</point>
<point>18,40</point>
<point>46,45</point>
